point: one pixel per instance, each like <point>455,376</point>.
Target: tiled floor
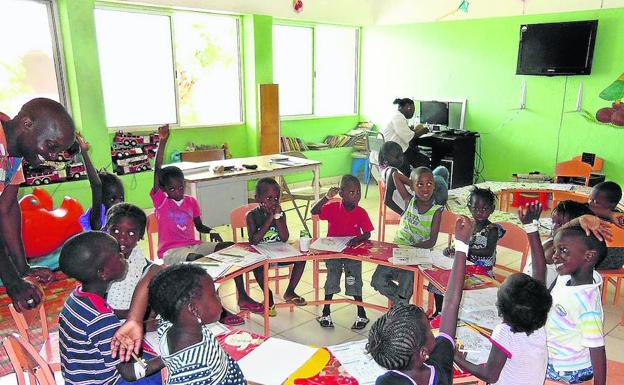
<point>301,325</point>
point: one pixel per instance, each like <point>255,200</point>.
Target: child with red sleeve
<point>345,218</point>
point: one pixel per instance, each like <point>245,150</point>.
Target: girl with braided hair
<point>184,296</point>
<point>402,342</point>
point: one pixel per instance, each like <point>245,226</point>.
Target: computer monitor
<point>434,113</point>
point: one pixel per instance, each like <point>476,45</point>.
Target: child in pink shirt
<point>178,217</point>
<point>345,218</point>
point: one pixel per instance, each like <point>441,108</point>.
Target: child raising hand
<point>402,342</point>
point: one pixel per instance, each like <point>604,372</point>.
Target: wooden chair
<point>30,319</point>
<point>573,168</point>
<point>386,217</point>
<point>24,358</point>
<point>150,229</point>
<point>374,141</point>
<point>316,264</point>
<point>516,239</point>
<point>238,221</point>
<point>560,196</point>
<point>447,225</point>
<point>614,276</point>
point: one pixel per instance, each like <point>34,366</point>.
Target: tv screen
<point>557,48</point>
<point>436,113</point>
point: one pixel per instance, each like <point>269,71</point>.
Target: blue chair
<point>360,160</point>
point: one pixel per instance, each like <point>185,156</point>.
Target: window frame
<point>358,42</point>
<point>60,68</point>
<point>169,12</point>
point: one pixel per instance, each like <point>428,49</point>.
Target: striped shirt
<point>205,363</point>
<point>86,326</point>
<point>415,227</point>
<point>574,324</point>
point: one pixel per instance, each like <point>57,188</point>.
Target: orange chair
<point>30,319</point>
<point>316,264</point>
<point>24,358</point>
<point>614,276</point>
<point>238,221</point>
<point>386,217</point>
<point>573,168</point>
<point>152,228</point>
<point>598,163</point>
<point>447,224</point>
<point>515,238</point>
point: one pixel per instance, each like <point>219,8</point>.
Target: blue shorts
<point>572,377</point>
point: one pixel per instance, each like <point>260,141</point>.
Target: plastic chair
<point>515,239</point>
<point>24,358</point>
<point>150,229</point>
<point>31,319</point>
<point>238,221</point>
<point>386,217</point>
<point>573,168</point>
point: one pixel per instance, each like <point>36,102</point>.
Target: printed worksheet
<point>354,359</point>
<point>277,250</point>
<point>234,256</point>
<point>476,346</point>
<point>487,318</point>
<point>413,256</point>
<point>335,244</point>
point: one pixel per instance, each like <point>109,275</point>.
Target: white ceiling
<point>383,12</point>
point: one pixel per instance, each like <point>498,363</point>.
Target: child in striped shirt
<point>575,341</point>
<point>418,227</point>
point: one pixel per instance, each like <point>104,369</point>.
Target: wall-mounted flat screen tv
<point>557,48</point>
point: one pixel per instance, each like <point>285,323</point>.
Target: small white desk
<point>219,193</point>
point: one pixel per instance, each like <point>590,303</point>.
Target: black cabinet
<point>455,151</point>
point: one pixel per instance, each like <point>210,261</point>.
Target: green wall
<point>476,59</point>
<point>77,26</point>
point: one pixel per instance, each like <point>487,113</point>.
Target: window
<point>316,68</point>
<point>292,68</point>
<point>29,63</point>
<point>180,67</point>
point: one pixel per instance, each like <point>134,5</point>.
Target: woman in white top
<point>398,130</point>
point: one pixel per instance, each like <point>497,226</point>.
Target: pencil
<point>457,367</point>
<point>139,360</point>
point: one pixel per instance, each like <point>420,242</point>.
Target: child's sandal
<point>325,321</point>
<point>360,323</point>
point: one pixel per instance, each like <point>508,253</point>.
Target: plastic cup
<point>304,243</point>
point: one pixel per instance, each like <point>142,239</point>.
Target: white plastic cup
<point>304,244</point>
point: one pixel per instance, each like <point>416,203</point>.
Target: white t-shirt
<point>397,130</point>
<point>574,323</point>
<point>120,293</point>
<point>527,356</point>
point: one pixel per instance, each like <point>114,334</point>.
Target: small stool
<point>357,164</point>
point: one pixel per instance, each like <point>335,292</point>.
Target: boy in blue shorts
<point>87,323</point>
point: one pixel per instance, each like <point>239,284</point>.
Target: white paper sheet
<point>355,360</point>
<point>479,299</point>
<point>441,261</point>
<point>237,256</point>
<point>260,366</point>
<point>474,344</point>
<point>277,250</point>
<point>336,244</point>
<point>215,269</point>
<point>413,256</point>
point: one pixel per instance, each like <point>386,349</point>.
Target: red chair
<point>386,217</point>
<point>150,229</point>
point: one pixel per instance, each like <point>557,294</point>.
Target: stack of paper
<point>214,269</point>
<point>412,256</point>
<point>355,360</point>
<point>336,244</point>
<point>236,256</point>
<point>260,366</point>
<point>276,250</point>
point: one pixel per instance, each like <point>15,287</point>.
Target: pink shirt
<point>344,223</point>
<point>175,222</point>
